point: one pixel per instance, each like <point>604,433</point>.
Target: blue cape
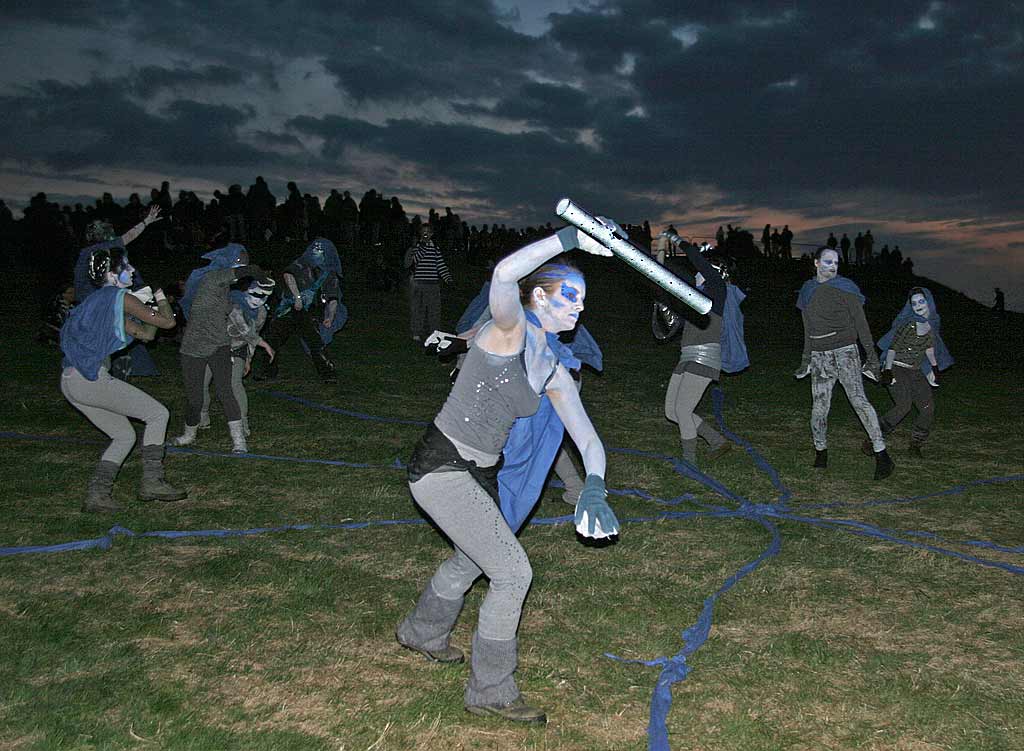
<point>533,441</point>
<point>84,287</point>
<point>734,347</point>
<point>94,330</point>
<point>330,261</point>
<point>811,286</point>
<point>221,258</point>
<point>906,315</point>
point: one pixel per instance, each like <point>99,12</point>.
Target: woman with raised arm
<point>453,470</point>
<point>108,320</point>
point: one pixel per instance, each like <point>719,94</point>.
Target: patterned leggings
<point>841,364</point>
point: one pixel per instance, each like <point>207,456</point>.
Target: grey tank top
<point>491,391</point>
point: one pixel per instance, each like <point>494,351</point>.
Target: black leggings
<point>193,371</point>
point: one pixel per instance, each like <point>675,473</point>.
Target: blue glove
<point>592,503</point>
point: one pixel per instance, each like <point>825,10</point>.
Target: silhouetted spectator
<point>296,222</point>
<point>260,204</point>
<point>869,247</point>
<point>844,247</point>
<point>720,236</point>
<point>787,241</point>
<point>858,247</point>
<point>895,258</point>
<point>766,240</point>
<point>999,306</point>
<point>831,243</point>
<point>776,244</point>
<point>349,221</point>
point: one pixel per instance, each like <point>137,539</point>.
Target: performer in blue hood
<point>912,354</point>
<point>310,307</point>
<point>100,235</point>
<point>453,470</point>
<point>707,347</point>
<point>832,309</point>
<point>108,320</point>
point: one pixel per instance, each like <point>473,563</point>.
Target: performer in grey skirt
<point>453,470</point>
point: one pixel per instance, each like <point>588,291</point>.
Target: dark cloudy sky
<point>902,117</point>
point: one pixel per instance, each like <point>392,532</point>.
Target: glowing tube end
<point>561,206</point>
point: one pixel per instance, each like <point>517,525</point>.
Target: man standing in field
<point>833,313</point>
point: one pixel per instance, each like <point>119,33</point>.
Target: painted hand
<point>803,370</point>
<point>594,517</point>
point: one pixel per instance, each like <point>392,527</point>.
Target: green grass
<point>284,640</point>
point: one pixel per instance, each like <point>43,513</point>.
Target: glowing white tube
<point>631,254</point>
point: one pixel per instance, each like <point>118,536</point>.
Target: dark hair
<point>822,249</point>
<point>548,277</point>
<point>916,291</point>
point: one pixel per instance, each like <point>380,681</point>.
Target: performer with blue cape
<point>534,441</point>
<point>228,257</point>
<point>310,307</point>
<point>135,359</point>
<point>912,353</point>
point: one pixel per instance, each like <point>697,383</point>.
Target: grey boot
<point>189,436</point>
<point>237,431</point>
<point>690,450</point>
<point>97,498</point>
<point>154,487</point>
<point>492,688</point>
<point>716,441</point>
<point>427,628</point>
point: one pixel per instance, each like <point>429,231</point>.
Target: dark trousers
<point>277,331</point>
<point>193,372</point>
<point>911,389</point>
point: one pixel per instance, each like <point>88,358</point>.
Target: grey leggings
<point>841,364</point>
<point>681,399</point>
<point>237,372</point>
<point>484,544</point>
<point>108,403</point>
<point>193,371</point>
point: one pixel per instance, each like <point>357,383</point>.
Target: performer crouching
<point>452,473</point>
<point>833,317</point>
<point>108,320</point>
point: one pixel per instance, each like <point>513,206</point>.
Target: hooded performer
<point>310,307</point>
<point>912,353</point>
<point>534,441</point>
<point>453,470</point>
<point>100,235</point>
<point>109,320</point>
<point>832,309</point>
<point>706,349</point>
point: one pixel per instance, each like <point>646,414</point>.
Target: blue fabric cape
<point>907,314</point>
<point>221,258</point>
<point>533,441</point>
<point>330,261</point>
<point>84,287</point>
<point>811,286</point>
<point>734,346</point>
<point>94,330</point>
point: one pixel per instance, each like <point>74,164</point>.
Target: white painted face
<point>919,304</point>
<point>122,278</point>
<point>561,310</point>
<point>827,265</point>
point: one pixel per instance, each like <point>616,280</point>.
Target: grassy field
<point>284,640</point>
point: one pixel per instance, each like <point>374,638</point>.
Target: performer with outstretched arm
<point>452,473</point>
<point>832,308</point>
<point>108,320</point>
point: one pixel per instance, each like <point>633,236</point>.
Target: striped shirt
<point>427,263</point>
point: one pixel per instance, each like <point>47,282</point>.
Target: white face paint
<point>919,304</point>
<point>124,277</point>
<point>566,304</point>
<point>827,265</point>
<point>254,301</point>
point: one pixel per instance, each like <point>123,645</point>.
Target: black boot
<point>884,465</point>
<point>820,458</point>
<point>324,367</point>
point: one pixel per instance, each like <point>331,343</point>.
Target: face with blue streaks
<point>560,306</point>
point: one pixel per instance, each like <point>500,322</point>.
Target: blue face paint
<point>569,293</point>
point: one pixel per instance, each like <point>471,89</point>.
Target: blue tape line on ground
<point>348,413</point>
